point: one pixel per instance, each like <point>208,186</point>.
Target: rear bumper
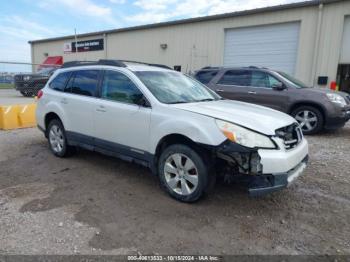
<point>268,183</point>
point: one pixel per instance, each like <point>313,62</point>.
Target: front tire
<point>183,173</point>
<point>310,119</point>
<point>58,140</point>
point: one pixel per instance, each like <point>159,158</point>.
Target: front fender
<point>202,130</point>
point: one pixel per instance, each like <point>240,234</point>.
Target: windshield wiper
<point>179,102</point>
<point>206,99</point>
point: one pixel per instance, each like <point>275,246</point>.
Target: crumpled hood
<point>258,118</point>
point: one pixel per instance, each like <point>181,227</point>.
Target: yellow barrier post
<point>17,116</point>
<point>26,115</point>
<point>9,117</point>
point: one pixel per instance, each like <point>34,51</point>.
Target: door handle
<point>64,101</point>
<point>101,108</point>
<point>252,92</point>
<point>219,90</point>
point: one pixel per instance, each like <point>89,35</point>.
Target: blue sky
<point>24,20</point>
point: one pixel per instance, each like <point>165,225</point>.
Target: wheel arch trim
<point>318,106</point>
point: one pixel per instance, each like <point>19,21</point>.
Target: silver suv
<point>184,132</point>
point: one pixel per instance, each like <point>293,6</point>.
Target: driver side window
<point>118,87</point>
<point>273,81</point>
<point>262,79</point>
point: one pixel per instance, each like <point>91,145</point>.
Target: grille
<point>291,135</point>
<point>18,78</point>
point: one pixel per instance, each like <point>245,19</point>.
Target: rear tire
<point>57,139</point>
<point>310,119</point>
<point>183,173</point>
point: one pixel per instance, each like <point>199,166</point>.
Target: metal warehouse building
<point>310,40</point>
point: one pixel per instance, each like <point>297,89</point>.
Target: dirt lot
<point>92,204</point>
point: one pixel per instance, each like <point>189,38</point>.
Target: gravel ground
<point>93,204</point>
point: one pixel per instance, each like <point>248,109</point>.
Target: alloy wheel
<point>307,120</point>
<point>56,139</point>
<point>181,174</point>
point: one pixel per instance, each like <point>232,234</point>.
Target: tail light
<point>40,94</point>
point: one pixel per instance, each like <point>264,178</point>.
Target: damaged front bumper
<point>268,183</point>
<point>265,170</point>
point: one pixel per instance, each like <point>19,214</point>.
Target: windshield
<point>45,71</point>
<point>291,80</point>
<point>174,87</point>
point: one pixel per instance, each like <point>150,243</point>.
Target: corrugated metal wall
<point>194,45</point>
<point>272,46</point>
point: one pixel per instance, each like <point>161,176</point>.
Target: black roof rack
<point>109,62</point>
<point>149,64</point>
<point>118,63</point>
<point>211,67</point>
<point>99,62</point>
<point>161,66</point>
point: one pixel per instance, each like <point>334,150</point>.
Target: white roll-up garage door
<point>345,51</point>
<point>273,46</point>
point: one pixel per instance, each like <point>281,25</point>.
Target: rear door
<point>234,84</point>
<point>263,92</point>
<point>79,104</point>
<point>121,125</point>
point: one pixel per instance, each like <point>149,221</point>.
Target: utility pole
<point>76,42</point>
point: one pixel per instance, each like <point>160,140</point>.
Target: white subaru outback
<point>184,132</point>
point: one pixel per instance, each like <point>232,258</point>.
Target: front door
<point>265,94</point>
<point>121,125</point>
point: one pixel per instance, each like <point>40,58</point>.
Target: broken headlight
<point>243,136</point>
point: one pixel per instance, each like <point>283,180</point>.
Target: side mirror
<point>142,101</point>
<point>279,86</point>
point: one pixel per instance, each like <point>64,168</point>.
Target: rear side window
<point>118,87</point>
<point>85,82</point>
<point>59,82</point>
<point>206,76</point>
<point>236,78</point>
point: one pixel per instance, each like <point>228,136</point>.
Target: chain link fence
<point>27,78</point>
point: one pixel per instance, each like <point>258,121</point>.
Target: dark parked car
<point>313,108</point>
<point>30,84</point>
